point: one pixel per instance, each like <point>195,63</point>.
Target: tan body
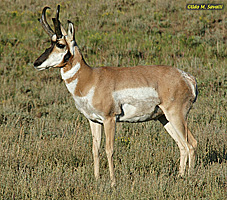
<point>165,80</point>
<point>107,95</point>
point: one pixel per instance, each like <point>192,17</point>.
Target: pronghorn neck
<point>75,69</point>
<point>74,56</point>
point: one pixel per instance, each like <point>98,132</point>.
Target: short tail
<point>196,90</point>
<point>191,82</point>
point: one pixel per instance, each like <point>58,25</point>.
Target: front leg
<point>110,127</point>
<point>96,130</point>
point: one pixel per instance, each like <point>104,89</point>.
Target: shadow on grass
<point>214,154</point>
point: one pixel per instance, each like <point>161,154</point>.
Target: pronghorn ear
<point>63,30</point>
<point>71,31</point>
<point>54,38</point>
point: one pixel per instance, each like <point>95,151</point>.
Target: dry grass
<point>45,144</point>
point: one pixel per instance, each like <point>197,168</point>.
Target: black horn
<point>44,23</point>
<point>57,23</point>
<point>57,12</point>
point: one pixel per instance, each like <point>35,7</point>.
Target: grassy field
<point>45,143</point>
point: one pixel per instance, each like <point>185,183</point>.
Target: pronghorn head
<point>62,43</point>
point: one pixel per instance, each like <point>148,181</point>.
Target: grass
<point>45,143</point>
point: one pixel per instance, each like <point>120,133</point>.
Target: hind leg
<point>177,128</point>
<point>181,144</point>
<point>192,150</point>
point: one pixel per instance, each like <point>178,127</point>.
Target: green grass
<point>45,143</point>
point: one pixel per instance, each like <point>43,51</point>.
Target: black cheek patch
<point>67,56</point>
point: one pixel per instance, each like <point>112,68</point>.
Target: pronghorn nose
<point>37,63</point>
<point>43,57</point>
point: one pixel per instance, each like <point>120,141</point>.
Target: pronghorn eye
<point>61,46</point>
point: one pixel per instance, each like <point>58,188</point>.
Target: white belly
<point>136,104</point>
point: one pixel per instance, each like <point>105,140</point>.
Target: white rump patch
<point>189,80</point>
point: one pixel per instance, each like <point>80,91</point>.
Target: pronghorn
<point>106,95</point>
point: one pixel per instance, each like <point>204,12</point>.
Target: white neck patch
<point>72,86</point>
<point>71,72</point>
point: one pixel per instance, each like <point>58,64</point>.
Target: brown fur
<point>176,92</point>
